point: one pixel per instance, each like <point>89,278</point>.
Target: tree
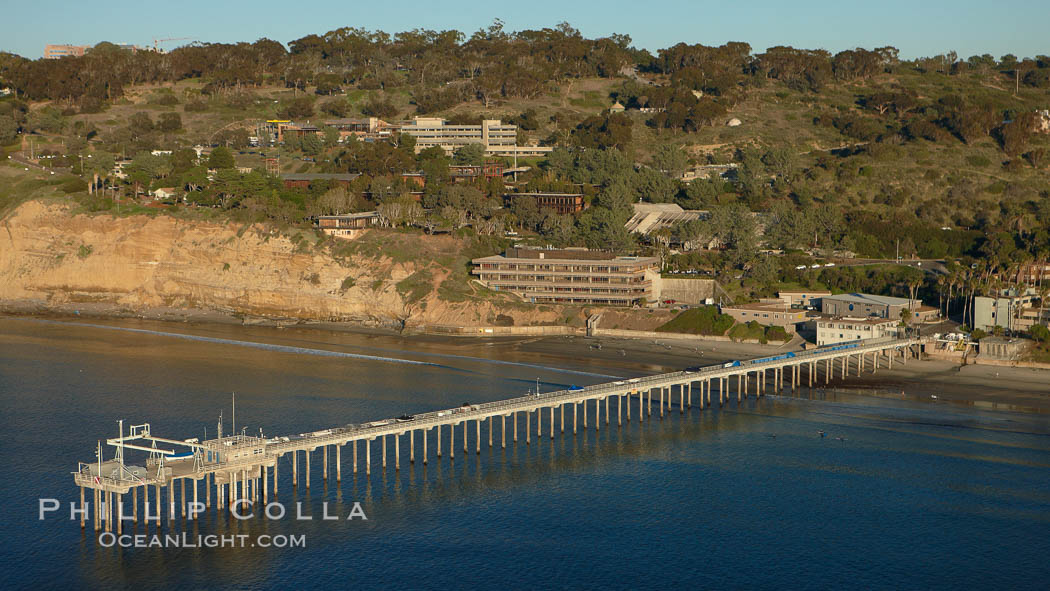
<point>382,108</point>
<point>610,130</point>
<point>182,160</point>
<point>312,145</point>
<point>337,200</point>
<point>169,122</point>
<point>764,272</point>
<point>221,158</point>
<point>670,159</point>
<point>557,228</point>
<point>8,130</point>
<point>735,227</point>
<point>297,108</point>
<point>470,154</point>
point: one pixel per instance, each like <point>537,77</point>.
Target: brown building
<point>370,127</point>
<point>463,173</point>
<point>575,276</point>
<point>346,224</point>
<point>305,180</point>
<point>56,51</point>
<point>560,202</point>
<point>769,313</point>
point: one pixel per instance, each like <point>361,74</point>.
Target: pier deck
<point>238,466</point>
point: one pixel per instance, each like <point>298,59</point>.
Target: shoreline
<point>928,380</point>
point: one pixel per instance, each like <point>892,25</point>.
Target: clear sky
<point>916,27</point>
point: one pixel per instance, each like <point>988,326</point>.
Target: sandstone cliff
<point>54,258</point>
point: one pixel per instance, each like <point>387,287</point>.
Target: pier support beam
<point>324,463</point>
<point>368,457</point>
<point>182,496</point>
<point>552,424</point>
<point>438,441</point>
<point>515,421</point>
<point>528,427</point>
<point>307,454</point>
<point>195,504</point>
<point>490,432</point>
<point>354,458</point>
<point>573,418</point>
<point>397,452</point>
<point>662,402</point>
<point>411,447</point>
<point>425,446</point>
<point>619,410</point>
<point>477,435</point>
<point>503,431</point>
<point>134,505</point>
<point>295,468</point>
<point>383,443</point>
<point>338,464</point>
<point>561,419</point>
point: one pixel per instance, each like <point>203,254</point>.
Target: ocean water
<point>897,495</point>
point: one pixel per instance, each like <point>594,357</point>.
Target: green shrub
<point>84,251</point>
<point>703,320</point>
<point>73,185</point>
<point>1040,333</point>
<point>347,283</point>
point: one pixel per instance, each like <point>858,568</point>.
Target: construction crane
<point>157,42</point>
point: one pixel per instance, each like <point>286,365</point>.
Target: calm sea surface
<point>912,496</point>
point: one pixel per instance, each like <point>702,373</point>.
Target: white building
<point>831,331</point>
<point>499,139</point>
<point>1005,311</point>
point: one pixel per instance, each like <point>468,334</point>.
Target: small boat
<point>822,434</point>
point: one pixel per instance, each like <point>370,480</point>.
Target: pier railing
<point>483,410</point>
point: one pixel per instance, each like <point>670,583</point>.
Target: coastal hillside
<point>54,258</point>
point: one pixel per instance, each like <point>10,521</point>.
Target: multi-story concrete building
<point>769,313</point>
<point>54,51</point>
<point>1012,311</point>
<point>831,331</point>
<point>802,299</point>
<point>499,139</point>
<point>574,276</point>
<point>863,305</point>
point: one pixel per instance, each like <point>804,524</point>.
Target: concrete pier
<point>238,465</point>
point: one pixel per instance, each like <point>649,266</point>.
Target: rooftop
<point>649,217</point>
<point>864,298</point>
<point>777,306</point>
<point>871,320</point>
<point>566,254</point>
<point>319,176</point>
